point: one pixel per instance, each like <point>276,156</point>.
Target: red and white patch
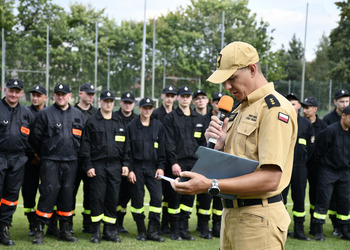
<point>283,117</point>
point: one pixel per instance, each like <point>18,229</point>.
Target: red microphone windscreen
<point>226,103</point>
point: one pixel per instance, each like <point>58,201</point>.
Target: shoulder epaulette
<point>231,116</point>
<point>272,101</point>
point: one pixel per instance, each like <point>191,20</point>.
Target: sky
<point>285,17</point>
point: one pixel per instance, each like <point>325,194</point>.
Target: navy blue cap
<point>107,94</point>
<point>184,90</point>
<point>88,88</point>
<point>310,101</point>
<point>292,96</point>
<point>169,90</point>
<point>199,92</point>
<point>341,93</point>
<point>39,89</point>
<point>346,110</point>
<point>217,96</point>
<point>14,83</point>
<point>127,96</point>
<point>146,102</point>
<point>62,87</point>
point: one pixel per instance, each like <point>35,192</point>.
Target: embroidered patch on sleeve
<point>283,117</point>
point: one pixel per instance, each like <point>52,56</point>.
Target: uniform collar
<point>58,107</point>
<point>180,112</point>
<point>99,115</point>
<point>258,94</point>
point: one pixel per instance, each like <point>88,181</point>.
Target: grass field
<point>19,234</point>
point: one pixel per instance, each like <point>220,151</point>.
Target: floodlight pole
<point>222,37</point>
<point>303,72</point>
<point>142,94</point>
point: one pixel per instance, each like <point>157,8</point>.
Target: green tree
<point>294,56</point>
<point>318,70</point>
<point>339,49</point>
<point>7,18</point>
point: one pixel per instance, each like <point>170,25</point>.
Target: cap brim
<point>306,104</point>
<point>220,76</point>
<point>36,91</point>
<point>14,87</point>
<point>128,100</point>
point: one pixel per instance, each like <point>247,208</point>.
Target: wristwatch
<point>214,189</point>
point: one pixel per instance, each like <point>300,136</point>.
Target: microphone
<point>225,106</point>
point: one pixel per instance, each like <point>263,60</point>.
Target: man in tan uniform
<point>262,128</point>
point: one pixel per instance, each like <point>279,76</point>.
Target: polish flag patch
<point>283,117</point>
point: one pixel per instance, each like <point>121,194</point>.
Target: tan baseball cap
<point>234,56</point>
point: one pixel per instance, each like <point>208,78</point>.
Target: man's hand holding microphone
<point>215,136</point>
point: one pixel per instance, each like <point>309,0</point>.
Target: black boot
<point>110,233</point>
<point>164,228</point>
<point>87,224</point>
<point>64,233</point>
<point>4,235</point>
<point>312,227</point>
<point>31,220</point>
<point>203,222</point>
<point>52,229</point>
<point>336,227</point>
<point>299,231</point>
<point>70,223</point>
<point>141,230</point>
<point>345,231</point>
<point>120,222</point>
<point>152,232</point>
<point>96,237</point>
<point>39,232</point>
<point>319,236</point>
<point>216,225</point>
<point>174,227</point>
<point>184,232</point>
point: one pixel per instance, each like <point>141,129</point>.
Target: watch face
<point>214,191</point>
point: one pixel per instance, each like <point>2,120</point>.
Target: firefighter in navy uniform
<point>105,157</point>
<point>31,173</point>
<point>147,147</point>
<point>303,150</point>
<point>310,107</point>
<point>341,101</point>
<point>87,94</point>
<point>333,149</point>
<point>126,111</point>
<point>168,97</point>
<point>200,100</point>
<point>184,134</point>
<point>15,121</point>
<point>56,135</point>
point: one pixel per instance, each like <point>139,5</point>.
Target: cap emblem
<point>218,61</point>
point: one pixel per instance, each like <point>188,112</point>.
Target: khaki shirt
<point>265,129</point>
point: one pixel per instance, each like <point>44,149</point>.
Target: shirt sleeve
<point>276,136</point>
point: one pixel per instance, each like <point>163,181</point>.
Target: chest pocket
<point>3,125</point>
<point>246,138</point>
<point>55,128</point>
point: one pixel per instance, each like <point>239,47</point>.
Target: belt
<point>250,202</point>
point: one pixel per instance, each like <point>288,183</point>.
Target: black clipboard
<point>215,164</point>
